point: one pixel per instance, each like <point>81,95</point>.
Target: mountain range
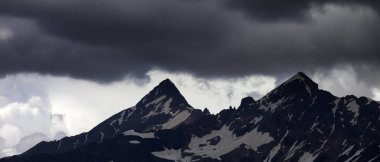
<point>296,121</point>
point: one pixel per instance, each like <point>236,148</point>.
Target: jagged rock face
<point>294,122</point>
<point>162,108</point>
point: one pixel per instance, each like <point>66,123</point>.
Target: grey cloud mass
<point>298,10</point>
<point>107,40</point>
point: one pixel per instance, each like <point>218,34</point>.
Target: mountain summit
<point>298,87</point>
<point>300,80</point>
<point>165,91</point>
<point>294,122</point>
<point>162,108</point>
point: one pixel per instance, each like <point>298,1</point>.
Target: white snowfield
<point>161,107</point>
<point>307,157</point>
<point>170,154</point>
<point>142,135</point>
<point>156,101</point>
<point>176,120</point>
<point>167,109</point>
<point>157,104</point>
<point>164,108</point>
<point>228,141</point>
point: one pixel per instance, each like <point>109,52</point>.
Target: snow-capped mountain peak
<point>164,107</point>
<point>165,94</point>
<point>294,122</point>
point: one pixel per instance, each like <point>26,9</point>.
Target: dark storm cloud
<point>159,24</point>
<point>106,40</point>
<point>31,50</point>
<point>133,36</point>
<point>269,10</point>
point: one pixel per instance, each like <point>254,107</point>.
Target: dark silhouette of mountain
<point>294,122</point>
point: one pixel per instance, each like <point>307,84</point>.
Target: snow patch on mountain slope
<point>142,135</point>
<point>373,159</point>
<point>307,157</point>
<point>290,116</point>
<point>275,150</point>
<point>121,117</point>
<point>178,119</point>
<point>101,137</point>
<point>59,145</point>
<point>134,142</point>
<point>151,113</point>
<point>355,156</point>
<point>85,140</point>
<point>272,106</point>
<point>325,141</point>
<point>170,154</point>
<point>315,123</point>
<point>167,106</point>
<point>228,142</point>
<point>156,101</point>
<point>294,149</point>
<point>354,107</point>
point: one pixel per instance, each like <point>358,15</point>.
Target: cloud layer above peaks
<point>105,41</point>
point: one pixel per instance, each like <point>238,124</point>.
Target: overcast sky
<point>66,65</point>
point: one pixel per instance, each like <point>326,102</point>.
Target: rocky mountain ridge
<point>294,122</point>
